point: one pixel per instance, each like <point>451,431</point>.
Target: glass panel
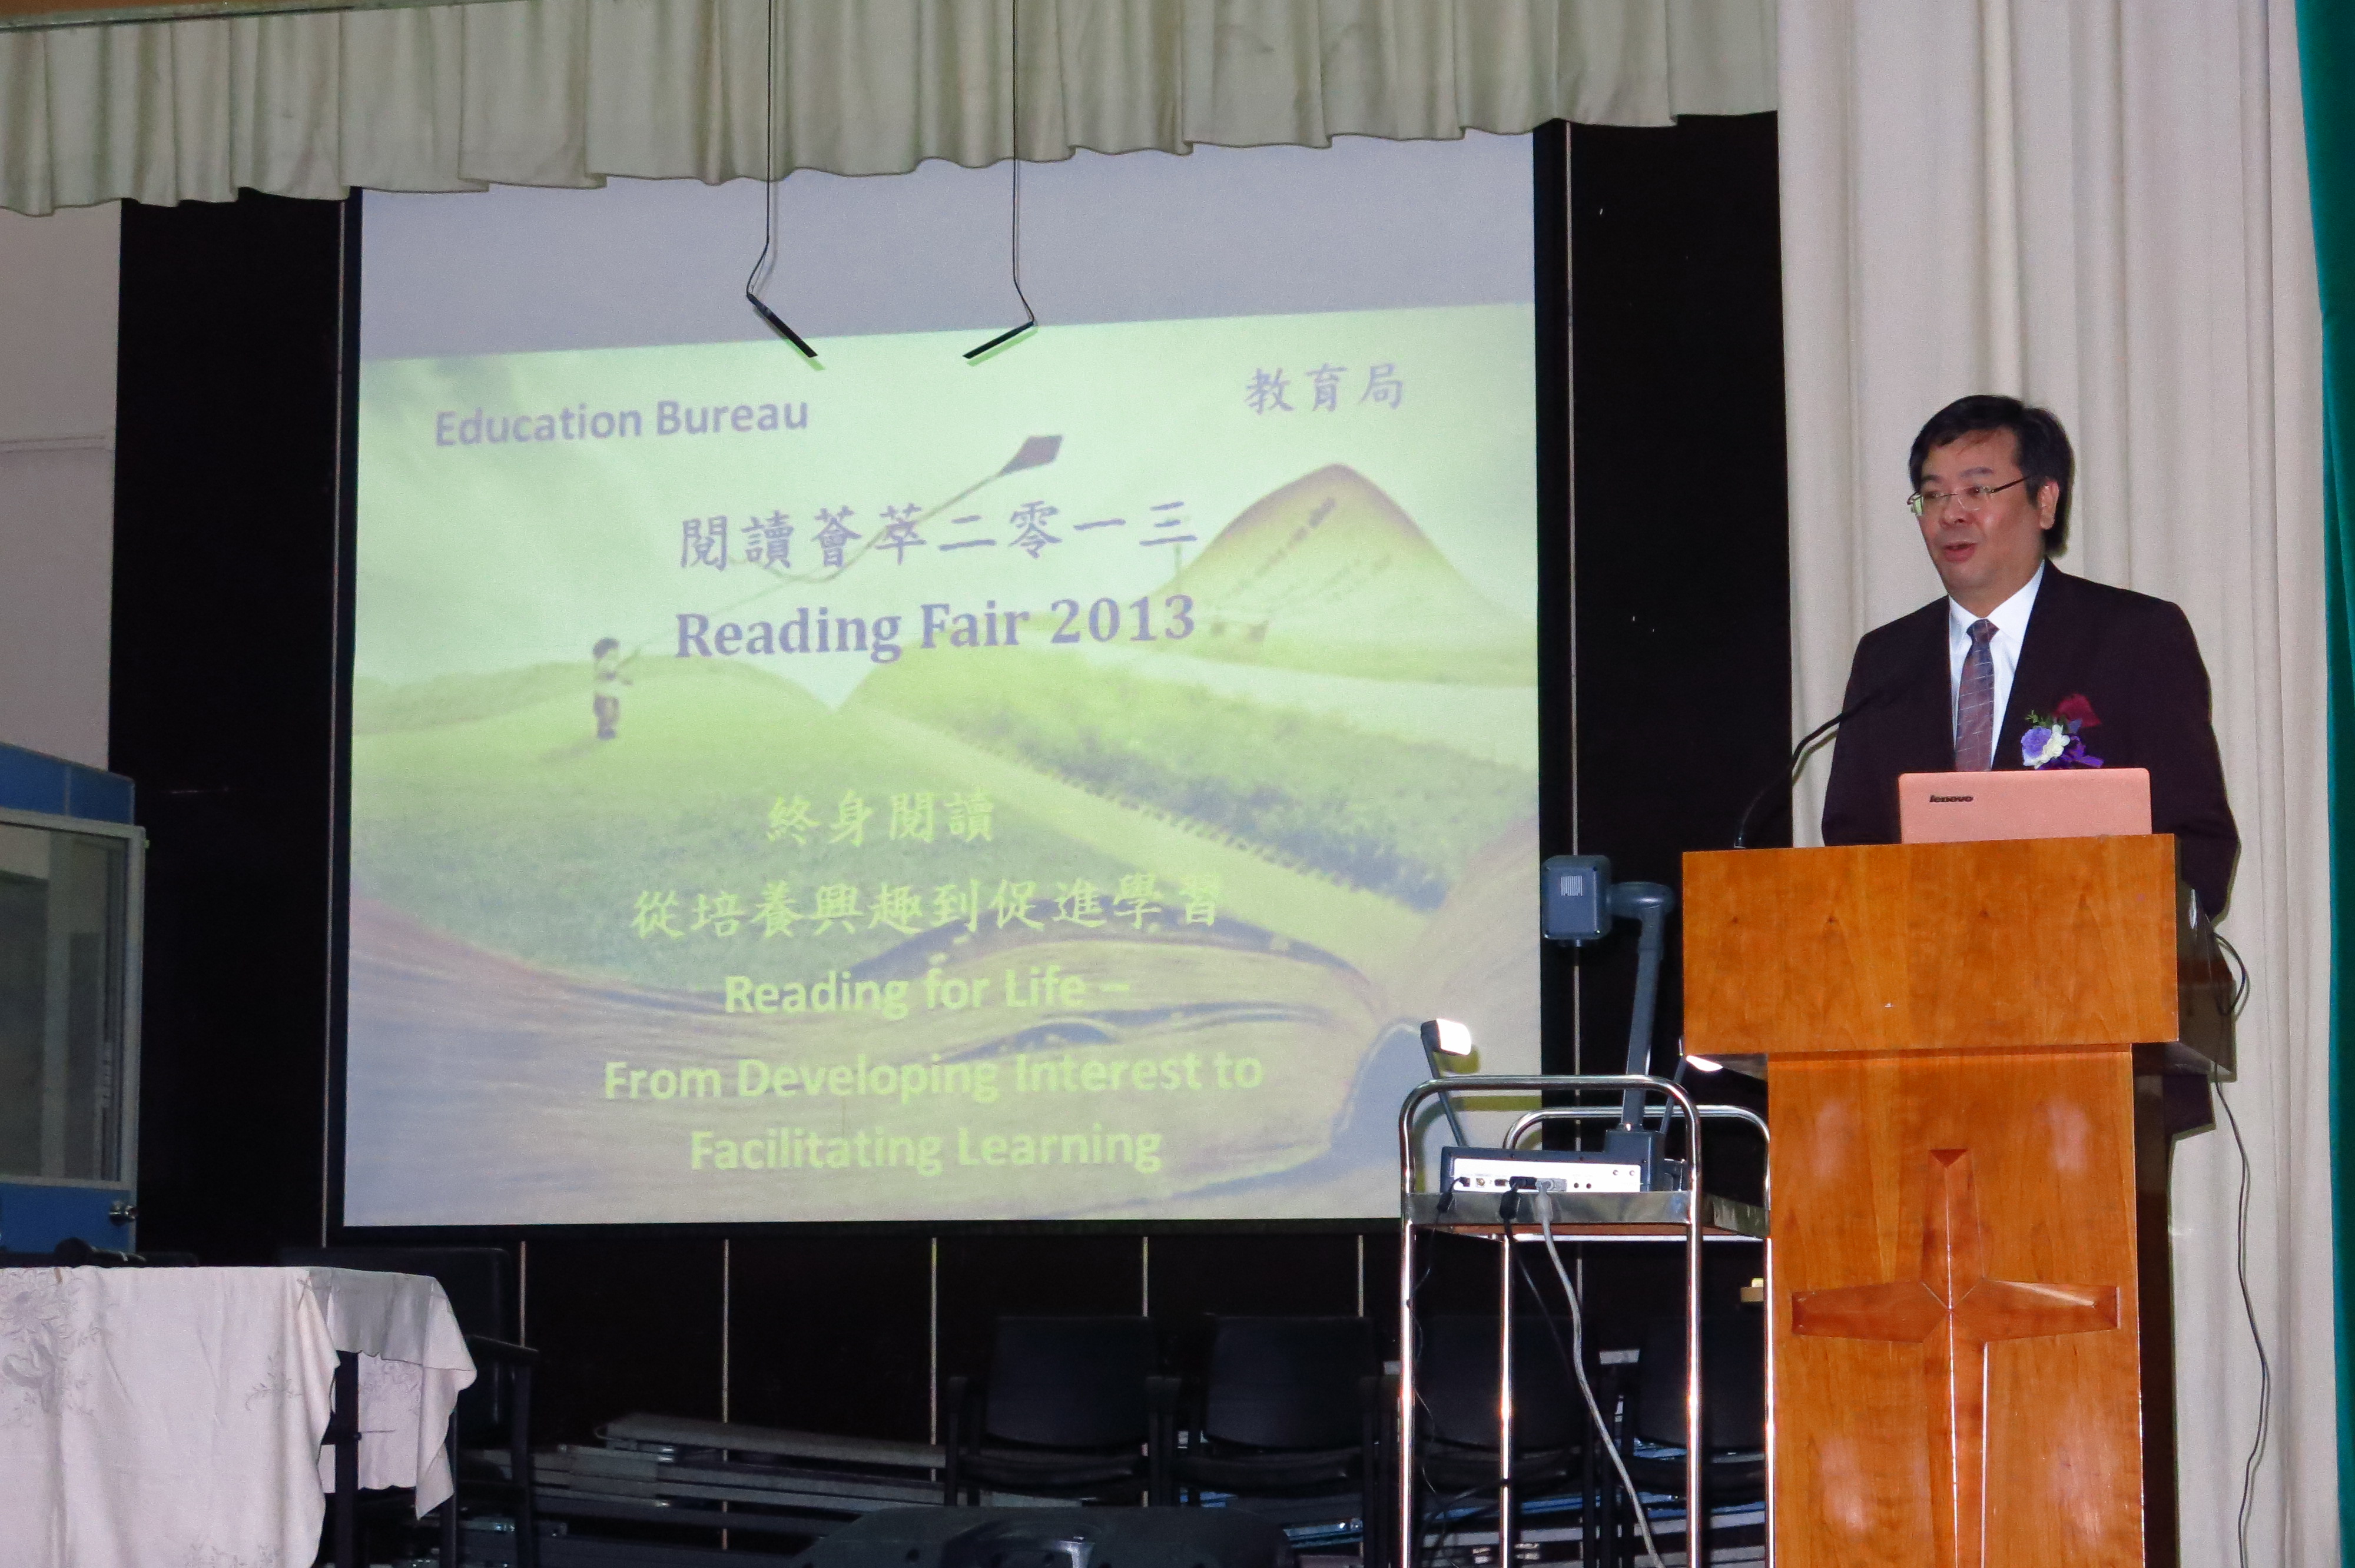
<point>62,945</point>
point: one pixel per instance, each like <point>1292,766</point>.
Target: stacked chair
<point>1072,1407</point>
<point>1455,1386</point>
<point>1268,1408</point>
<point>1288,1407</point>
<point>1733,1408</point>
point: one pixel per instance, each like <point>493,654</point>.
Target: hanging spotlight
<point>1030,321</point>
<point>768,203</point>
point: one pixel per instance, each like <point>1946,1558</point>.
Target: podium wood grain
<point>1948,1029</point>
<point>2029,943</point>
<point>1860,1422</point>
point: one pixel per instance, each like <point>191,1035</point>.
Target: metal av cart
<point>1694,1217</point>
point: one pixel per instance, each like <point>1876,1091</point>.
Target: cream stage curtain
<point>2102,207</point>
<point>568,93</point>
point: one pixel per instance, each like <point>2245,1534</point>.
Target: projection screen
<point>906,788</point>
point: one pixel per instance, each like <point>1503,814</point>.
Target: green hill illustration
<point>1329,574</point>
<point>1392,817</point>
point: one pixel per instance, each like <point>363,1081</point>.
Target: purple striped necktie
<point>1974,704</point>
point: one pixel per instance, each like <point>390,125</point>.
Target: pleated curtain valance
<point>569,92</point>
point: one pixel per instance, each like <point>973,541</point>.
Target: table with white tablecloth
<point>173,1415</point>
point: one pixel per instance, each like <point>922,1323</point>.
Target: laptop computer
<point>2058,803</point>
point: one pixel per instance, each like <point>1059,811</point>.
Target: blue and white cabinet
<point>71,861</point>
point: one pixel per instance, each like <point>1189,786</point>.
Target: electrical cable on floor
<point>2249,1307</point>
<point>1569,1363</point>
<point>1578,1361</point>
<point>1436,1536</point>
<point>1553,1330</point>
<point>2240,1268</point>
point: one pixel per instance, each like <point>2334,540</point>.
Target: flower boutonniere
<point>2058,739</point>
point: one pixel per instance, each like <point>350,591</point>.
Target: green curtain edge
<point>2340,713</point>
<point>2325,32</point>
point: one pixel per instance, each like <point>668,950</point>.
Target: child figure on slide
<point>607,685</point>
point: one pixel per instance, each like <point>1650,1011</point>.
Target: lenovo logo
<point>1948,799</point>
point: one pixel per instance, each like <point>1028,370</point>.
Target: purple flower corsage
<point>2057,740</point>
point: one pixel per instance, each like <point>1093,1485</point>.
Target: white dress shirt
<point>2010,619</point>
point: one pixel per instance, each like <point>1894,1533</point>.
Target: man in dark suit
<point>1957,684</point>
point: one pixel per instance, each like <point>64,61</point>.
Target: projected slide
<point>915,790</point>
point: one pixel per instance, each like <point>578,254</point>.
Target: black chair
<point>1733,1408</point>
<point>1072,1407</point>
<point>496,1409</point>
<point>1289,1408</point>
<point>1455,1388</point>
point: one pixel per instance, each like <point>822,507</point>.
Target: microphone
<point>1790,779</point>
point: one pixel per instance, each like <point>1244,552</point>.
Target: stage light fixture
<point>1446,1037</point>
<point>753,278</point>
<point>1014,239</point>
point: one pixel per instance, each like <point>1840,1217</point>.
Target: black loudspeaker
<point>1054,1538</point>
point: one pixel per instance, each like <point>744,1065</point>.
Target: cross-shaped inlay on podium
<point>1955,1311</point>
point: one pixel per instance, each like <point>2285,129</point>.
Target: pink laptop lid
<point>2061,803</point>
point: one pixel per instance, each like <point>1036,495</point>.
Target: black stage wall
<point>222,703</point>
<point>1667,697</point>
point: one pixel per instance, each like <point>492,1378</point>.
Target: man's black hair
<point>604,645</point>
<point>2045,454</point>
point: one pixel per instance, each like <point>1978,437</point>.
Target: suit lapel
<point>1926,697</point>
<point>2058,639</point>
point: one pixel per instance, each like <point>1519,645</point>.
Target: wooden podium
<point>1966,1047</point>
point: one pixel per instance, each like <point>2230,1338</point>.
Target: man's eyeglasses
<point>1970,498</point>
